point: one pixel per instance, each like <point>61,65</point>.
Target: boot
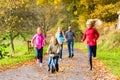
<point>90,64</point>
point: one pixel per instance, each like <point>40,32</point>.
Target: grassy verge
<point>21,54</point>
<point>110,58</point>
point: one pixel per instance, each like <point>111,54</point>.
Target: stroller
<point>53,64</point>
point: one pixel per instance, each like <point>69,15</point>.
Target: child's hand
<point>47,53</point>
<point>32,45</point>
<point>57,53</point>
<point>81,40</point>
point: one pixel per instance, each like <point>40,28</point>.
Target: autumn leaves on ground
<point>75,68</point>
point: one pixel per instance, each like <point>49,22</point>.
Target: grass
<point>11,61</point>
<point>110,58</point>
<point>21,54</point>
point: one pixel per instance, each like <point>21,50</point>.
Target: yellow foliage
<point>68,9</point>
<point>40,2</point>
<point>75,12</point>
<point>106,13</point>
<point>57,1</point>
<point>2,12</point>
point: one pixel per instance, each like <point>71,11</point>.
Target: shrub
<point>107,13</point>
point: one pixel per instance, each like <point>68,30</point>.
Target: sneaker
<point>40,64</point>
<point>48,69</point>
<point>37,61</point>
<point>90,69</point>
<point>68,56</point>
<point>72,55</point>
<point>60,59</point>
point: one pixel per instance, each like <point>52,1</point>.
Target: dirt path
<point>70,69</point>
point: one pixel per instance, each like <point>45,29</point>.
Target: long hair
<point>94,22</point>
<point>54,38</point>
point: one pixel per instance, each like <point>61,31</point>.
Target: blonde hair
<point>54,38</point>
<point>59,29</point>
<point>39,28</point>
<point>94,22</point>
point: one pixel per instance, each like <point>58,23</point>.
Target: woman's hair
<point>60,29</point>
<point>94,22</point>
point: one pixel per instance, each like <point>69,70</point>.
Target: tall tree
<point>18,17</point>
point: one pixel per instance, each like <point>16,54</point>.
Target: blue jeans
<point>60,52</point>
<point>39,54</point>
<point>91,53</point>
<point>70,47</point>
<point>55,60</point>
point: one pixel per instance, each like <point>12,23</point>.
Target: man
<point>69,35</point>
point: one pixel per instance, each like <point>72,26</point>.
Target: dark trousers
<point>39,54</point>
<point>70,47</point>
<point>60,52</point>
<point>91,53</point>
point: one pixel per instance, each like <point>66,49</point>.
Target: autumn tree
<point>18,17</point>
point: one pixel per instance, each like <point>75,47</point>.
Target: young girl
<point>61,38</point>
<point>39,41</point>
<point>92,35</point>
<point>53,51</point>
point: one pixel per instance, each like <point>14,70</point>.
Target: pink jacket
<point>39,40</point>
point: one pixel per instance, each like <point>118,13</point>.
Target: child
<point>39,41</point>
<point>53,51</point>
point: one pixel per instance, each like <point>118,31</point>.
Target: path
<point>70,69</point>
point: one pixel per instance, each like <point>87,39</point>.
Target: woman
<point>61,38</point>
<point>92,36</point>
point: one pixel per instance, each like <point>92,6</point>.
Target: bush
<point>111,40</point>
<point>107,13</point>
<point>3,45</point>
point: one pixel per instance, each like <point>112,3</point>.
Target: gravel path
<point>75,68</point>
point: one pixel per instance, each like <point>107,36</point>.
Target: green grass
<point>21,54</point>
<point>81,46</point>
<point>110,58</point>
<point>11,61</point>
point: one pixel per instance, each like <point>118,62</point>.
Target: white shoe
<point>60,59</point>
<point>37,61</point>
<point>40,64</point>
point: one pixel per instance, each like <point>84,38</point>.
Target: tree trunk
<point>12,45</point>
<point>44,26</point>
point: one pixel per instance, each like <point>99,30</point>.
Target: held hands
<point>65,40</point>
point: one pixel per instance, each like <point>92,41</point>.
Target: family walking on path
<point>72,66</point>
<point>56,44</point>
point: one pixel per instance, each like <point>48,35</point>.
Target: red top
<point>92,35</point>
